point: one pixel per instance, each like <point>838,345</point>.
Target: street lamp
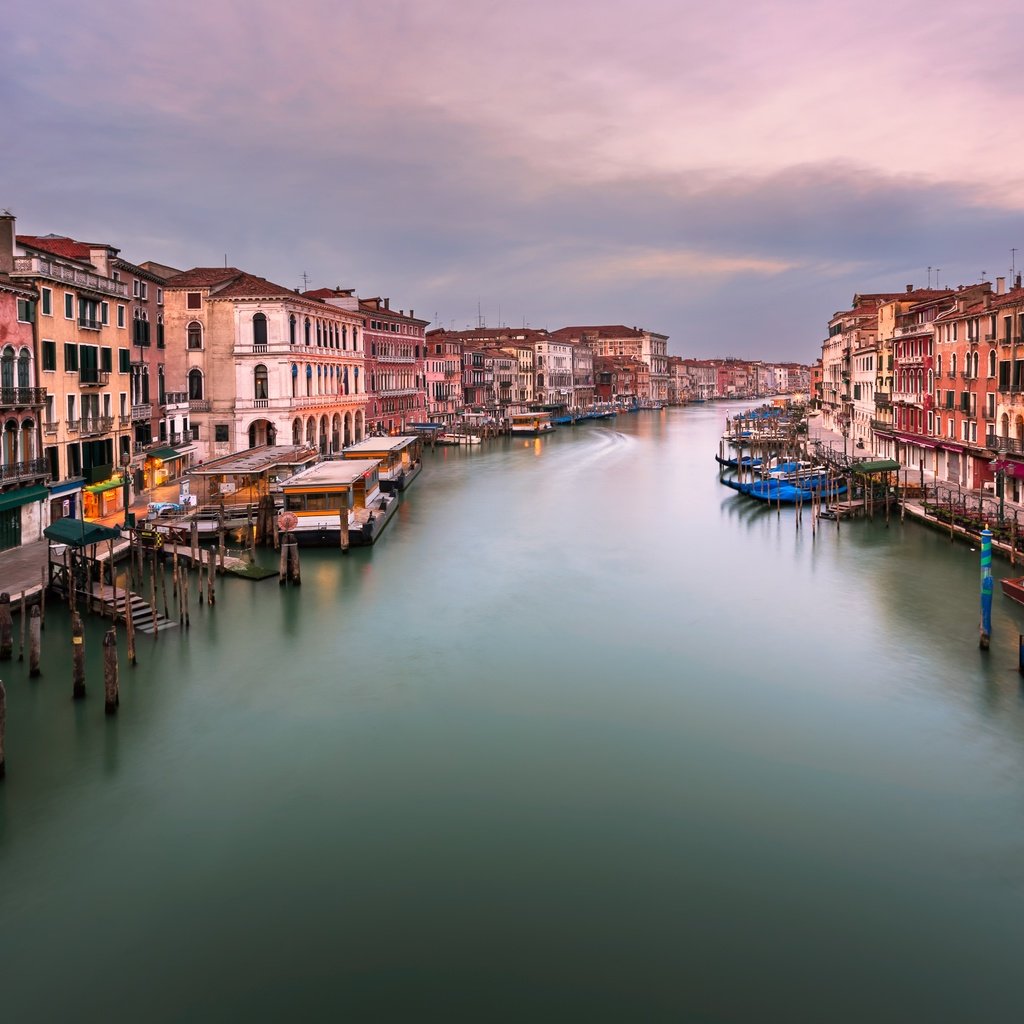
<point>125,483</point>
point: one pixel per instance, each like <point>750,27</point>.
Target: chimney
<point>1000,286</point>
<point>910,287</point>
<point>6,241</point>
<point>986,300</point>
<point>412,314</point>
<point>387,303</point>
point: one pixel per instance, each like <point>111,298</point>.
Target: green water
<point>585,736</point>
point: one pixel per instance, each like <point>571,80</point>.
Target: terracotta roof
<point>616,331</point>
<point>57,245</point>
<point>249,286</point>
<point>202,277</point>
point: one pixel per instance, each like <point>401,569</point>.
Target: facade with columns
<point>262,364</point>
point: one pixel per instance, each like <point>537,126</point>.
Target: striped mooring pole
<point>986,589</point>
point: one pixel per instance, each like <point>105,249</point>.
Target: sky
<point>726,174</point>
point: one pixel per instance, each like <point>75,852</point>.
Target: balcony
<point>988,414</point>
<point>908,329</point>
<point>175,397</point>
<point>19,398</point>
<point>198,405</point>
<point>21,470</point>
<point>881,427</point>
<point>143,411</point>
<point>91,378</point>
<point>37,266</point>
<point>883,401</point>
<point>1004,444</point>
<point>50,426</point>
<point>96,425</point>
<point>89,324</point>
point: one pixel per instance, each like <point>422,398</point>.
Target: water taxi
<point>399,458</point>
<point>340,491</point>
<point>531,424</point>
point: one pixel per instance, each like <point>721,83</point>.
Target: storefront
<point>104,499</point>
<point>163,465</point>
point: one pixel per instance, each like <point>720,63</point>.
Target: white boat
<point>399,459</point>
<point>450,438</point>
<point>531,424</point>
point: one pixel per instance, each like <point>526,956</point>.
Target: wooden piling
<point>163,587</point>
<point>77,657</point>
<point>6,628</point>
<point>194,537</point>
<point>282,569</point>
<point>111,697</point>
<point>42,600</point>
<point>186,584</point>
<point>343,528</point>
<point>22,627</point>
<point>129,623</point>
<point>34,642</point>
<point>211,596</point>
<point>3,728</point>
<point>152,596</point>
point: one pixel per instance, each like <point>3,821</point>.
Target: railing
<point>89,323</point>
<point>260,403</point>
<point>93,378</point>
<point>71,426</point>
<point>902,332</point>
<point>124,421</point>
<point>198,405</point>
<point>142,411</point>
<point>50,426</point>
<point>259,348</point>
<point>36,266</point>
<point>30,467</point>
<point>881,427</point>
<point>1009,389</point>
<point>22,396</point>
<point>990,337</point>
<point>97,424</point>
<point>175,397</point>
<point>1004,444</point>
<point>883,401</point>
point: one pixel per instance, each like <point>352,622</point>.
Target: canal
<point>585,736</point>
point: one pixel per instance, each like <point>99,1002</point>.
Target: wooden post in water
<point>220,539</point>
<point>129,624</point>
<point>3,728</point>
<point>186,584</point>
<point>77,657</point>
<point>343,528</point>
<point>282,570</point>
<point>294,574</point>
<point>22,628</point>
<point>211,595</point>
<point>34,642</point>
<point>42,601</point>
<point>163,587</point>
<point>250,535</point>
<point>194,532</point>
<point>152,596</point>
<point>6,628</point>
<point>111,696</point>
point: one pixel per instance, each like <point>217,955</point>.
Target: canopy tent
<point>878,466</point>
<point>79,533</point>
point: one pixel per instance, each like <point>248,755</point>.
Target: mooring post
<point>129,624</point>
<point>194,538</point>
<point>77,657</point>
<point>3,728</point>
<point>34,642</point>
<point>6,628</point>
<point>42,601</point>
<point>986,589</point>
<point>111,697</point>
<point>343,523</point>
<point>1020,657</point>
<point>282,570</point>
<point>22,627</point>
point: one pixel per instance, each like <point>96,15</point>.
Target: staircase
<point>142,615</point>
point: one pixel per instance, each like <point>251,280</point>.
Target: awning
<point>22,496</point>
<point>878,466</point>
<point>164,454</point>
<point>107,485</point>
<point>79,533</point>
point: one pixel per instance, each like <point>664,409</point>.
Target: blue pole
<point>986,589</point>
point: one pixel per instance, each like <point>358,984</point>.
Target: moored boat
<point>531,424</point>
<point>1013,588</point>
<point>399,459</point>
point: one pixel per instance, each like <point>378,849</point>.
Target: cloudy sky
<point>728,174</point>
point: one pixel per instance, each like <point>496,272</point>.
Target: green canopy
<point>164,454</point>
<point>79,533</point>
<point>22,496</point>
<point>879,466</point>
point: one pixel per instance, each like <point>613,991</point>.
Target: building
<point>635,342</point>
<point>261,364</point>
<point>442,372</point>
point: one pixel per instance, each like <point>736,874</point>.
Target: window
<point>135,287</point>
<point>291,329</point>
<point>220,432</point>
<point>159,296</point>
<point>160,331</point>
<point>47,302</point>
<point>49,355</point>
<point>124,357</point>
<point>195,335</point>
<point>106,359</point>
<point>120,316</point>
<point>195,431</point>
<point>71,358</point>
<point>26,311</point>
<point>69,306</point>
<point>308,330</point>
<point>143,290</point>
<point>89,314</point>
<point>195,385</point>
<point>260,383</point>
<point>259,329</point>
<point>104,313</point>
<point>193,300</point>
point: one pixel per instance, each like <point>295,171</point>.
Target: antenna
<point>983,273</point>
<point>305,280</point>
<point>1013,264</point>
<point>937,269</point>
<point>929,278</point>
<point>479,316</point>
<point>225,261</point>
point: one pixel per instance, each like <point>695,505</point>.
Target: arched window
<point>295,382</point>
<point>194,333</point>
<point>259,329</point>
<point>7,368</point>
<point>974,368</point>
<point>24,363</point>
<point>952,365</point>
<point>344,336</point>
<point>319,335</point>
<point>938,365</point>
<point>291,329</point>
<point>259,375</point>
<point>356,375</point>
<point>296,431</point>
<point>309,379</point>
<point>309,328</point>
<point>992,363</point>
<point>195,384</point>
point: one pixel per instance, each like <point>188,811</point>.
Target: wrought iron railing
<point>15,397</point>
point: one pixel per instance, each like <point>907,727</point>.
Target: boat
<point>531,424</point>
<point>338,492</point>
<point>1013,588</point>
<point>781,493</point>
<point>451,438</point>
<point>747,462</point>
<point>399,459</point>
